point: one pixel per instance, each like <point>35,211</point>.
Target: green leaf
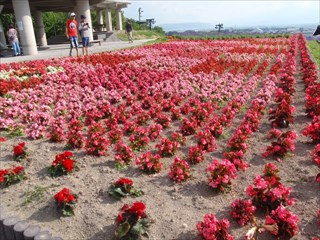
<point>136,192</point>
<point>122,230</point>
<point>141,227</point>
<point>119,191</point>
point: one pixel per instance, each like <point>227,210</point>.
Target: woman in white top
<point>14,40</point>
<point>84,31</point>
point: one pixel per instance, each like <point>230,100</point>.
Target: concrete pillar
<point>119,19</point>
<point>100,20</point>
<point>3,35</point>
<point>40,31</point>
<point>83,8</point>
<point>24,26</point>
<point>108,20</point>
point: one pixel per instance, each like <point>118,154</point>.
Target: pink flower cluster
<point>287,223</point>
<point>211,228</point>
<point>268,192</point>
<point>167,147</point>
<point>242,211</point>
<point>220,175</point>
<point>97,144</point>
<point>313,130</point>
<point>149,163</point>
<point>283,146</point>
<point>310,72</point>
<point>179,170</point>
<point>124,155</point>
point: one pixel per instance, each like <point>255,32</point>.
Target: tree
<point>219,26</point>
<point>6,19</point>
<point>54,23</point>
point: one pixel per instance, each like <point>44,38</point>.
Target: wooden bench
<point>95,41</point>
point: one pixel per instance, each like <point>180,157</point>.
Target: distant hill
<point>180,27</point>
<point>198,26</point>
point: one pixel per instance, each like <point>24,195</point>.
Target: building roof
<point>63,5</point>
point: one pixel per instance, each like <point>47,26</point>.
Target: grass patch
<point>315,50</point>
<point>36,194</point>
<point>141,34</point>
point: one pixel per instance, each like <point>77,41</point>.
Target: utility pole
<point>140,14</point>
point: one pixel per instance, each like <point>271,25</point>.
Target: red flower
<point>68,164</point>
<point>17,170</point>
<point>120,218</point>
<point>138,208</point>
<point>123,181</point>
<point>64,196</point>
<point>2,139</point>
<point>3,173</point>
<point>18,150</point>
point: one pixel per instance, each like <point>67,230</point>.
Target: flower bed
<point>182,119</point>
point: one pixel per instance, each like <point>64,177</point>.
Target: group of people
<point>72,28</point>
<point>72,33</point>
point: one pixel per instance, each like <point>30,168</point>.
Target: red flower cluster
<point>66,201</point>
<point>62,165</point>
<point>11,176</point>
<point>123,181</point>
<point>64,196</point>
<point>15,84</point>
<point>132,221</point>
<point>137,210</point>
<point>19,151</point>
<point>123,187</point>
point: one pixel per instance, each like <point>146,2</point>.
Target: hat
<point>83,16</point>
<point>72,14</point>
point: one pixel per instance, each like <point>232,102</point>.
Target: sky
<point>230,13</point>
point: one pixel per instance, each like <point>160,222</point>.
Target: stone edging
<point>13,228</point>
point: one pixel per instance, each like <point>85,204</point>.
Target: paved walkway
<point>62,50</point>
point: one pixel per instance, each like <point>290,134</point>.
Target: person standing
<point>72,33</point>
<point>12,34</point>
<point>129,30</point>
<point>84,32</point>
